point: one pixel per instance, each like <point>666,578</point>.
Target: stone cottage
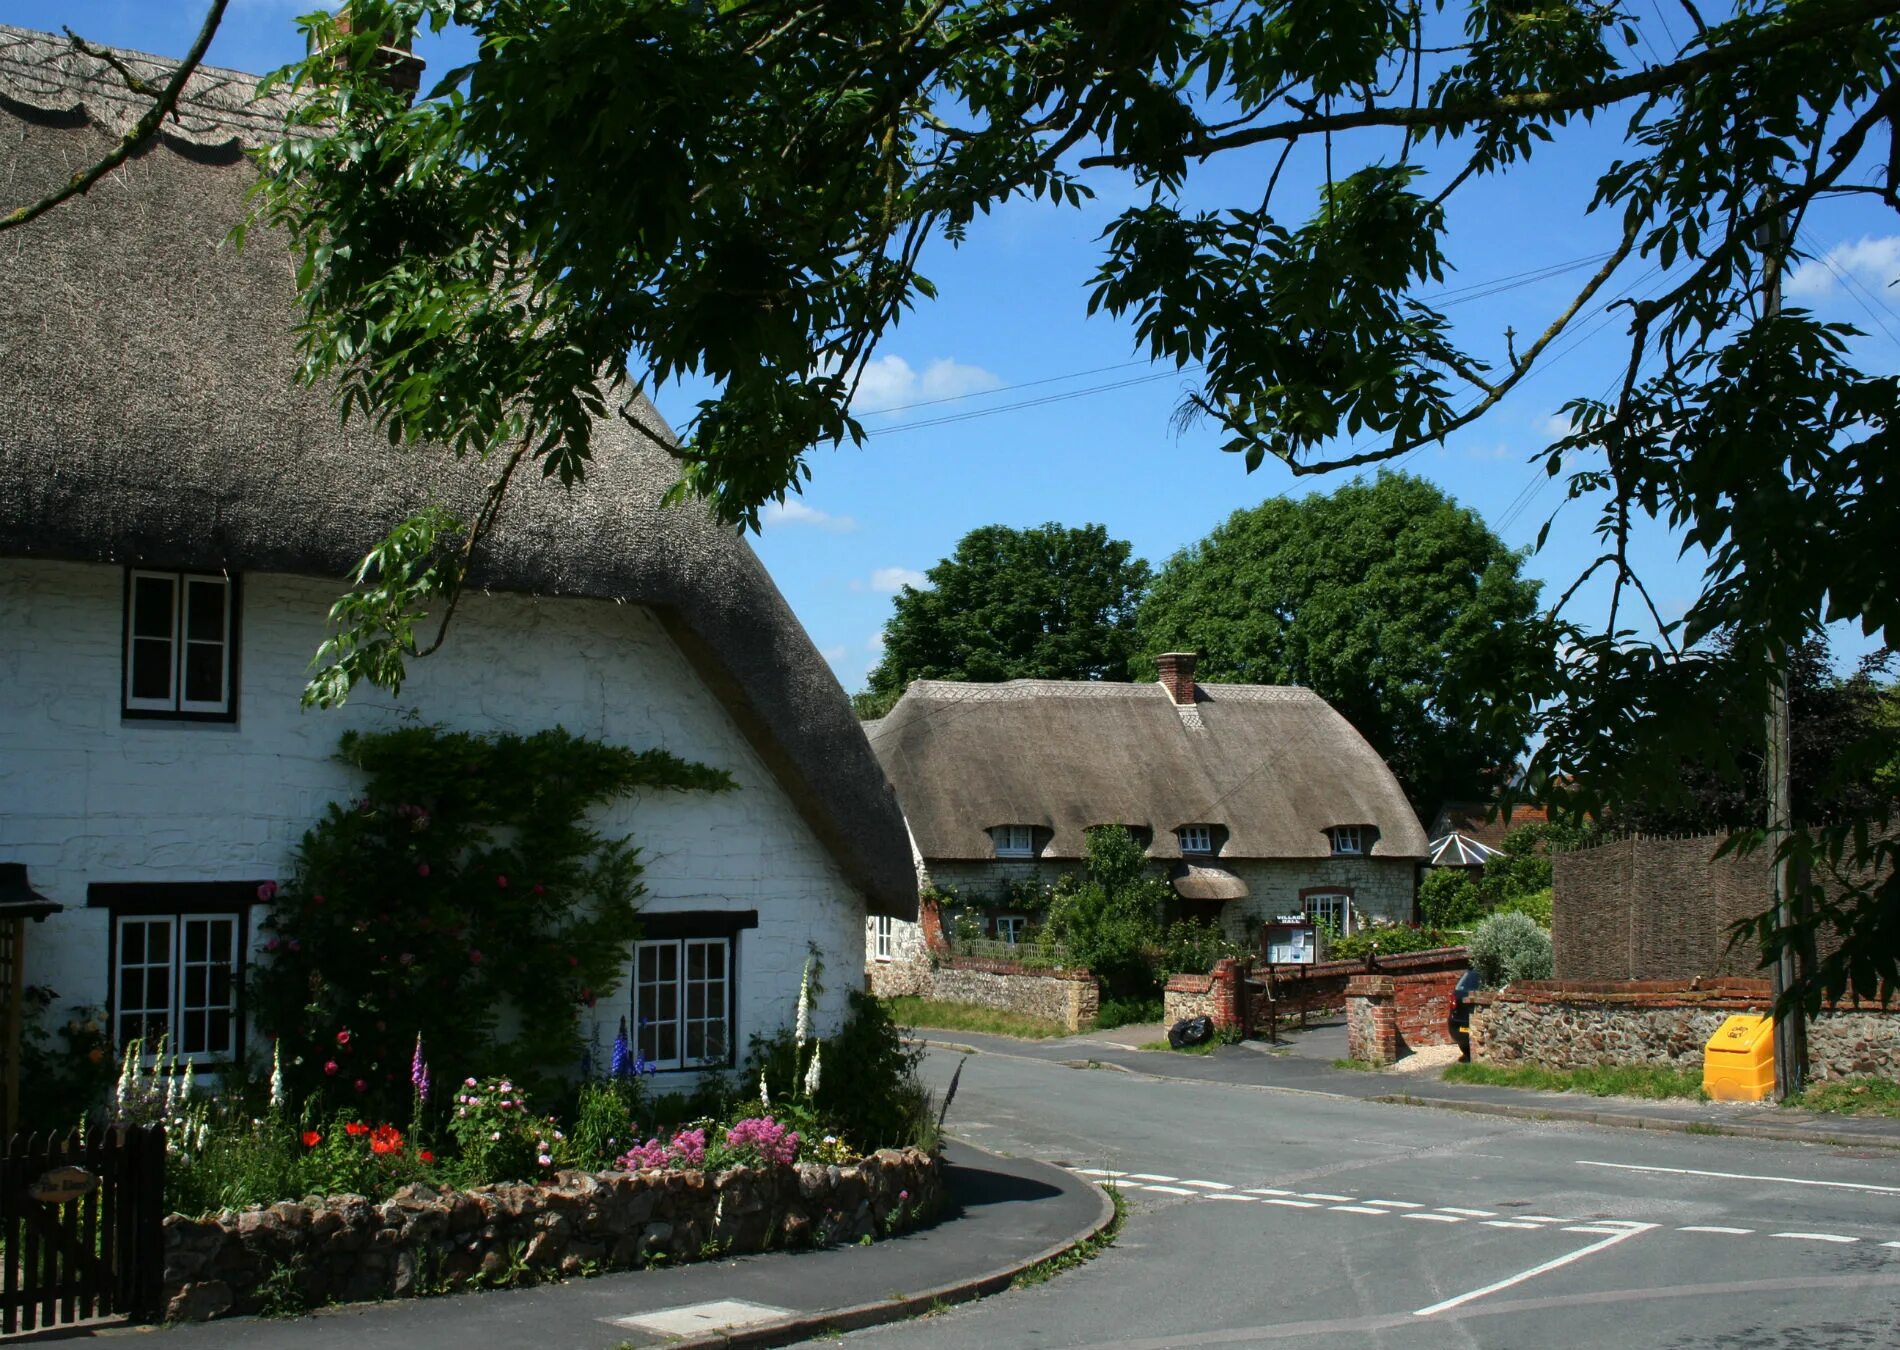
<point>176,516</point>
<point>1255,801</point>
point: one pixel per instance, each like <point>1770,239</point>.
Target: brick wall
<point>1315,989</point>
<point>1389,1016</point>
<point>1569,1024</point>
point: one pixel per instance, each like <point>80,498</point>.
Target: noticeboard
<point>1291,943</point>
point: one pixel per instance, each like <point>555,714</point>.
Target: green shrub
<point>1448,898</point>
<point>1129,1012</point>
<point>1509,947</point>
<point>1194,945</point>
<point>68,1080</point>
<point>1390,939</point>
<point>1110,920</point>
<point>868,1090</point>
<point>1533,905</point>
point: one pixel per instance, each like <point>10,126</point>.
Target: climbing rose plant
<point>465,882</point>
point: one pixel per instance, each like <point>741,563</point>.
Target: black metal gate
<point>81,1234</point>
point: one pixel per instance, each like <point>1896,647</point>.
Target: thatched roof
<point>152,417</point>
<point>1273,767</point>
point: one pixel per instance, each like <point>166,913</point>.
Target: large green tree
<point>1048,602</point>
<point>1398,606</point>
<point>624,191</point>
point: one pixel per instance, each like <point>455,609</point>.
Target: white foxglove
<point>803,1031</point>
<point>123,1092</point>
<point>765,1096</point>
<point>811,1074</point>
<point>184,1088</point>
<point>276,1076</point>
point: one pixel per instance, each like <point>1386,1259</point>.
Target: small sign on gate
<point>62,1184</point>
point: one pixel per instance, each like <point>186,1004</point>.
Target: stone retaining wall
<point>1578,1024</point>
<point>1070,997</point>
<point>421,1240</point>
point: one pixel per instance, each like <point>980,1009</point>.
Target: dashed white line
<point>1362,1209</point>
<point>1209,1185</point>
<point>1096,1172</point>
<point>1396,1204</point>
<point>1468,1213</point>
<point>1592,1228</point>
<point>1714,1228</point>
<point>1508,1223</point>
<point>1321,1195</point>
<point>1243,1199</point>
<point>1168,1190</point>
<point>1890,1244</point>
<point>1540,1218</point>
<point>1265,1190</point>
<point>1150,1176</point>
<point>1292,1204</point>
<point>1434,1218</point>
<point>1816,1237</point>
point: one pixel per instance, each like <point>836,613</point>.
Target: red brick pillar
<point>930,919</point>
<point>1229,994</point>
<point>1372,1020</point>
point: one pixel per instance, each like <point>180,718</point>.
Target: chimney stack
<point>400,68</point>
<point>1176,670</point>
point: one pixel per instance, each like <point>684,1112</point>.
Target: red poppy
<point>425,1155</point>
<point>355,1128</point>
<point>311,1139</point>
<point>385,1139</point>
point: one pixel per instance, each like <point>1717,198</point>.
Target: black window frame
<point>233,630</point>
<point>699,926</point>
<point>178,900</point>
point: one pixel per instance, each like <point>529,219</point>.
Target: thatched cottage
<point>176,516</point>
<point>1255,801</point>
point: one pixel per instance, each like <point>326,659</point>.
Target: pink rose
<point>422,869</point>
<point>329,1067</point>
<point>501,883</point>
<point>474,957</point>
<point>266,891</point>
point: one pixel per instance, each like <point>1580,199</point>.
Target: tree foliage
<point>616,192</point>
<point>1392,602</point>
<point>1047,602</point>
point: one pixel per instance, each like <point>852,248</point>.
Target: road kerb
<point>791,1330</point>
<point>1622,1120</point>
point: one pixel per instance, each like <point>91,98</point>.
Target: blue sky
<point>1010,327</point>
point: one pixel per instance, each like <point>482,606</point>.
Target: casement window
<point>180,645</point>
<point>883,942</point>
<point>1196,838</point>
<point>1009,928</point>
<point>1348,840</point>
<point>1014,841</point>
<point>1330,907</point>
<point>178,965</point>
<point>685,988</point>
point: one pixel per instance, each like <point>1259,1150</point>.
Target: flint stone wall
<point>421,1240</point>
<point>1573,1024</point>
<point>1070,997</point>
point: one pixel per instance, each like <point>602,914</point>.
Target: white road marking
<point>1508,1223</point>
<point>1540,1218</point>
<point>1096,1172</point>
<point>1209,1185</point>
<point>1816,1237</point>
<point>1150,1176</point>
<point>1265,1190</point>
<point>1397,1204</point>
<point>1468,1213</point>
<point>1890,1244</point>
<point>1243,1199</point>
<point>1292,1204</point>
<point>1168,1190</point>
<point>1745,1176</point>
<point>1713,1228</point>
<point>1362,1209</point>
<point>1534,1271</point>
<point>1435,1218</point>
<point>1321,1195</point>
<point>1593,1228</point>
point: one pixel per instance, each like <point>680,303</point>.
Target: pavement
<point>1305,1060</point>
<point>1005,1214</point>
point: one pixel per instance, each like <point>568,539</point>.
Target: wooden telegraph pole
<point>1791,1031</point>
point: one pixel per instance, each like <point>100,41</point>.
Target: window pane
<point>218,1033</point>
<point>204,673</point>
<point>151,668</point>
<point>197,940</point>
<point>131,989</point>
<point>158,987</point>
<point>204,611</point>
<point>191,1036</point>
<point>152,607</point>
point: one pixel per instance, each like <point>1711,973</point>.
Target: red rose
<point>266,891</point>
<point>474,957</point>
<point>343,1036</point>
<point>361,1086</point>
<point>422,869</point>
<point>329,1067</point>
<point>316,899</point>
<point>311,1139</point>
<point>573,961</point>
<point>539,889</point>
<point>501,883</point>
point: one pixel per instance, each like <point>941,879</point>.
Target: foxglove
<point>276,1076</point>
<point>811,1074</point>
<point>622,1063</point>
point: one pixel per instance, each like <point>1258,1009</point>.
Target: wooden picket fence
<point>81,1234</point>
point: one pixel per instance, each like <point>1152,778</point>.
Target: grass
<point>1081,1253</point>
<point>1604,1081</point>
<point>1204,1048</point>
<point>911,1011</point>
<point>1851,1097</point>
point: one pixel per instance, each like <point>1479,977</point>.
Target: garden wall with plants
<point>1070,997</point>
<point>1571,1024</point>
<point>306,1253</point>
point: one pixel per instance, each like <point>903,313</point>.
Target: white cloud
<point>834,654</point>
<point>890,382</point>
<point>1875,263</point>
<point>792,511</point>
<point>1558,425</point>
<point>890,580</point>
<point>875,643</point>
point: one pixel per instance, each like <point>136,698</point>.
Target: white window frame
<point>1349,841</point>
<point>1196,838</point>
<point>1014,841</point>
<point>1009,928</point>
<point>882,929</point>
<point>653,1022</point>
<point>1329,905</point>
<point>179,643</point>
<point>177,1003</point>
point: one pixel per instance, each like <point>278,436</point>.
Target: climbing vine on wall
<point>465,898</point>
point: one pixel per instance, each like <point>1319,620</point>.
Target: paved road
<point>1261,1216</point>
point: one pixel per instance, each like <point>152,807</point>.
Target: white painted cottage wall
<point>86,796</point>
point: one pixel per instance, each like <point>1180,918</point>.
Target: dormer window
<point>1196,838</point>
<point>1349,841</point>
<point>1014,841</point>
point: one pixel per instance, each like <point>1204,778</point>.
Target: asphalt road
<point>1262,1216</point>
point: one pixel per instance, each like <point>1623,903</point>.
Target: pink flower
<point>545,1160</point>
<point>316,900</point>
<point>474,957</point>
<point>422,869</point>
<point>272,945</point>
<point>266,891</point>
<point>361,1086</point>
<point>572,962</point>
<point>540,889</point>
<point>343,1036</point>
<point>329,1067</point>
<point>501,883</point>
<point>294,945</point>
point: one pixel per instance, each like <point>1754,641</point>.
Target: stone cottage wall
<point>347,1249</point>
<point>1562,1024</point>
<point>86,796</point>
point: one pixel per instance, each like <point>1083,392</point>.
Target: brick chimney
<point>400,68</point>
<point>1176,670</point>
